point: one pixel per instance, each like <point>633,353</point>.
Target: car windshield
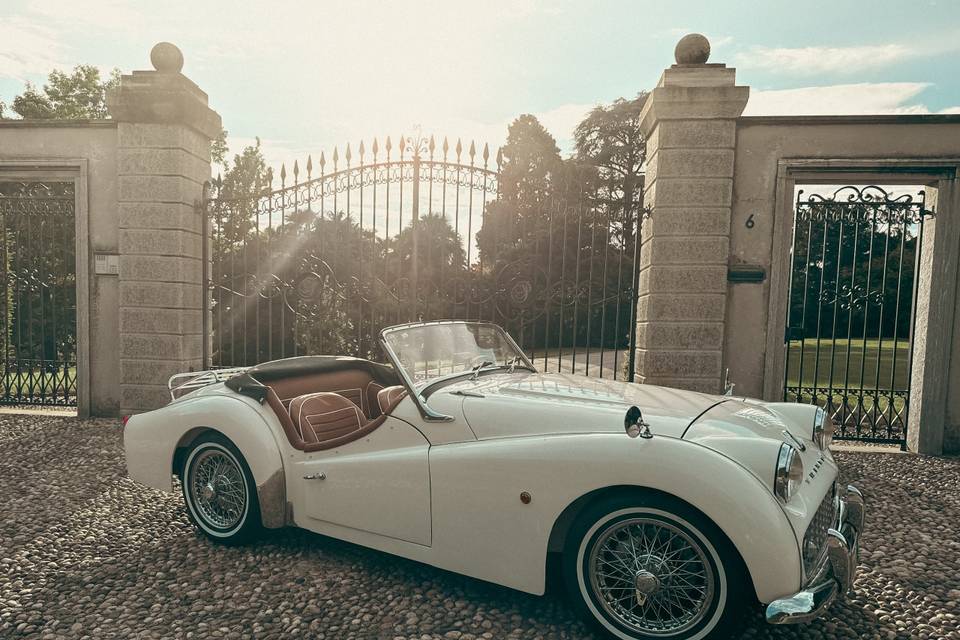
<point>435,350</point>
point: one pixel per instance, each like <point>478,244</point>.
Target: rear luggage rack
<point>181,384</point>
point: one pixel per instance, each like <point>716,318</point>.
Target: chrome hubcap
<point>651,576</point>
<point>646,585</point>
<point>217,489</point>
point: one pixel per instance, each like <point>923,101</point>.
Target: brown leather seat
<point>355,385</point>
<point>388,398</point>
<point>319,417</point>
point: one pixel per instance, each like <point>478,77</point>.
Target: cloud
<point>842,99</point>
<point>817,60</point>
<point>103,14</point>
<point>28,49</point>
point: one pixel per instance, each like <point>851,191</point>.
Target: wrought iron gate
<point>849,341</point>
<point>416,230</point>
<point>38,306</point>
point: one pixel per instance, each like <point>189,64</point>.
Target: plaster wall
<point>761,144</point>
<point>96,142</point>
<point>839,149</point>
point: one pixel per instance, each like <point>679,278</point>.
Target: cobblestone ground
<point>84,552</point>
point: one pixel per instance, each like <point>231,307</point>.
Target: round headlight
<point>823,429</point>
<point>789,472</point>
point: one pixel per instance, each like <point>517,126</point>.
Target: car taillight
<point>125,419</point>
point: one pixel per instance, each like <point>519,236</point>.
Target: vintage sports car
<point>671,511</point>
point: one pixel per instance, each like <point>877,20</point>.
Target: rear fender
<point>151,441</point>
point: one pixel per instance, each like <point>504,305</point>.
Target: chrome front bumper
<point>834,573</point>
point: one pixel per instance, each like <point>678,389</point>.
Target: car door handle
<point>316,476</point>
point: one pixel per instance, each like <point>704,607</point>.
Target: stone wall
<point>689,121</point>
<point>164,133</point>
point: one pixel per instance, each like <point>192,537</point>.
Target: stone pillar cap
<point>164,96</point>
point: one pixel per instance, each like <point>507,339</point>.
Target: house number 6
<point>750,223</point>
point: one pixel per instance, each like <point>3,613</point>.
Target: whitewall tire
<point>643,566</point>
<point>219,491</point>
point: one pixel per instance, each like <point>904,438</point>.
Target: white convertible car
<point>673,511</point>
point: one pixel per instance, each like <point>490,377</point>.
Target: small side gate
<point>38,307</point>
<point>850,320</point>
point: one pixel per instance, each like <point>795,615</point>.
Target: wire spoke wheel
<point>218,489</point>
<point>651,576</point>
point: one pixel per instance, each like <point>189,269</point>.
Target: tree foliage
<point>853,280</point>
<point>611,140</point>
<point>80,94</point>
<point>566,225</point>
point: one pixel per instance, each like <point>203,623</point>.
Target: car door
<point>379,483</point>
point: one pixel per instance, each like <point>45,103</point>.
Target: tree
<point>531,161</point>
<point>611,140</point>
<point>78,95</point>
<point>442,247</point>
<point>238,191</point>
<point>218,147</point>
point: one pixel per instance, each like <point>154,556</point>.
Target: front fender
<point>150,441</point>
<point>476,489</point>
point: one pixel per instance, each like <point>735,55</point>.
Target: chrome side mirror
<point>635,425</point>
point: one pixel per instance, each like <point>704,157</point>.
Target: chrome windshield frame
<point>426,412</point>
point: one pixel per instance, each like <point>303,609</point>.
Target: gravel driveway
<point>84,552</point>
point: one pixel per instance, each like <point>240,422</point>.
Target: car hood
<point>525,404</point>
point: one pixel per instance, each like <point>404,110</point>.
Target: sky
<point>305,76</point>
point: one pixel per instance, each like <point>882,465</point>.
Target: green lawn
<point>863,357</point>
<point>27,384</point>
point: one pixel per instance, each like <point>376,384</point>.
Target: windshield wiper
<point>476,369</point>
<point>513,362</point>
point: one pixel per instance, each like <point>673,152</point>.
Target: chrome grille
<point>816,534</point>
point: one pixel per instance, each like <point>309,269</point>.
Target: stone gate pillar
<point>164,132</point>
<point>689,121</point>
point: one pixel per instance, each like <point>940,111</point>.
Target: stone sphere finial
<point>166,58</point>
<point>693,48</point>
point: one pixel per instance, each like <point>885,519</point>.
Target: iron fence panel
<point>417,231</point>
<point>849,338</point>
<point>38,336</point>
